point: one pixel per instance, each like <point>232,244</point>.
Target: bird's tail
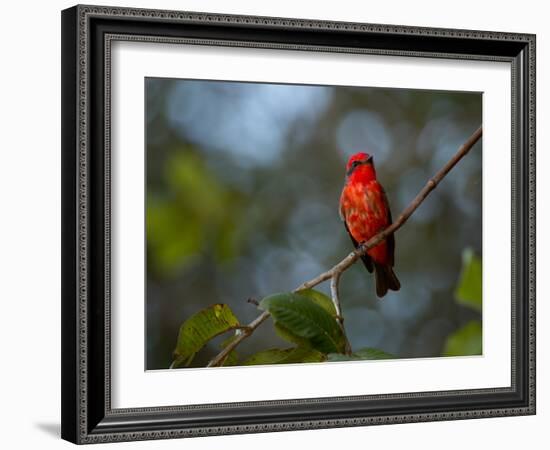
<point>385,279</point>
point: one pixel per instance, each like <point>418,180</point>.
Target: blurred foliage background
<point>243,183</point>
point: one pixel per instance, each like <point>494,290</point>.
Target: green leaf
<point>373,353</point>
<point>270,356</point>
<point>465,341</point>
<point>202,326</point>
<point>469,289</point>
<point>301,319</point>
<point>285,356</point>
<point>287,335</point>
<point>304,355</point>
<point>321,299</point>
<point>361,355</point>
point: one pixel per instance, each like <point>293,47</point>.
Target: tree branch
<point>334,273</point>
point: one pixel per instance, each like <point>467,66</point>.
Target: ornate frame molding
<point>80,218</point>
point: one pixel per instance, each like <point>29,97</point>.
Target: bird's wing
<point>340,209</point>
<point>390,240</point>
<point>367,261</point>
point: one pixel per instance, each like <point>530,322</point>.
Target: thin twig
<point>334,294</point>
<point>335,272</point>
<point>245,332</point>
<point>334,282</point>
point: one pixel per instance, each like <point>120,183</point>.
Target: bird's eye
<point>355,164</point>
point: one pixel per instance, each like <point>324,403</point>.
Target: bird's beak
<point>369,160</point>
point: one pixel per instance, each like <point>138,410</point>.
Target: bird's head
<point>358,160</point>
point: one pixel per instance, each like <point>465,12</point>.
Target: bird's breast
<point>362,211</point>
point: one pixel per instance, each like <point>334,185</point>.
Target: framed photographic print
<point>266,222</point>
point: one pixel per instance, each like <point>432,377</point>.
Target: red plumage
<point>365,210</point>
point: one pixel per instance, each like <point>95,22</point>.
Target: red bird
<point>365,210</point>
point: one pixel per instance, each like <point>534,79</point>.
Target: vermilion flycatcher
<point>365,210</point>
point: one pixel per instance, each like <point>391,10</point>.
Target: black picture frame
<point>87,416</point>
